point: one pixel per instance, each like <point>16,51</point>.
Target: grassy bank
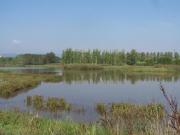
<point>151,69</point>
<point>54,65</point>
<point>124,68</point>
<point>11,83</point>
<point>16,123</point>
<point>116,119</point>
<point>82,67</point>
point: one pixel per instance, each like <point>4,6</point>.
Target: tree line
<point>95,56</point>
<point>30,59</point>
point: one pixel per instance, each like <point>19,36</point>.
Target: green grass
<point>124,68</point>
<point>83,67</point>
<point>145,69</point>
<point>127,68</point>
<point>16,123</point>
<point>12,83</point>
<point>116,119</point>
<point>54,65</point>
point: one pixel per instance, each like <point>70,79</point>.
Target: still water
<point>85,89</point>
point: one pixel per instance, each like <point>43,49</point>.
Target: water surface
<point>87,88</point>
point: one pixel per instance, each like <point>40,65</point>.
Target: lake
<point>84,89</point>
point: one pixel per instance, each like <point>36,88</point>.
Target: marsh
<point>84,89</point>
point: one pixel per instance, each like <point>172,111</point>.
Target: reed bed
<point>12,83</point>
<point>131,119</point>
<point>115,119</point>
<point>51,104</point>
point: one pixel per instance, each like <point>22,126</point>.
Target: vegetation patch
<point>124,118</point>
<point>116,119</point>
<point>83,67</point>
<point>52,104</point>
<point>125,68</point>
<point>145,69</point>
<point>16,123</point>
<point>29,59</point>
<point>11,83</point>
<point>116,57</point>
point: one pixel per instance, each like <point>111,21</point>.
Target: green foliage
<point>5,61</point>
<point>36,59</point>
<point>30,59</point>
<point>70,56</point>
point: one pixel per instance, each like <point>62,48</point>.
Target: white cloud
<point>17,42</point>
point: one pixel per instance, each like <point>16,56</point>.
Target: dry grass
<point>124,118</point>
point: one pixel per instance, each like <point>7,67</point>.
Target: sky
<point>40,26</point>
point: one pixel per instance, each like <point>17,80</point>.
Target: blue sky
<point>40,26</point>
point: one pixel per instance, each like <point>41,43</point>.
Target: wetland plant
<point>12,83</point>
<point>55,104</point>
<point>52,104</point>
<point>125,118</point>
<point>38,102</point>
<point>174,114</point>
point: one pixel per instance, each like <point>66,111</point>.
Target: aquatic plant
<point>29,100</point>
<point>38,102</point>
<point>52,104</point>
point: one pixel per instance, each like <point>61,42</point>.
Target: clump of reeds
<point>52,104</point>
<point>29,100</point>
<point>38,102</point>
<point>122,118</point>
